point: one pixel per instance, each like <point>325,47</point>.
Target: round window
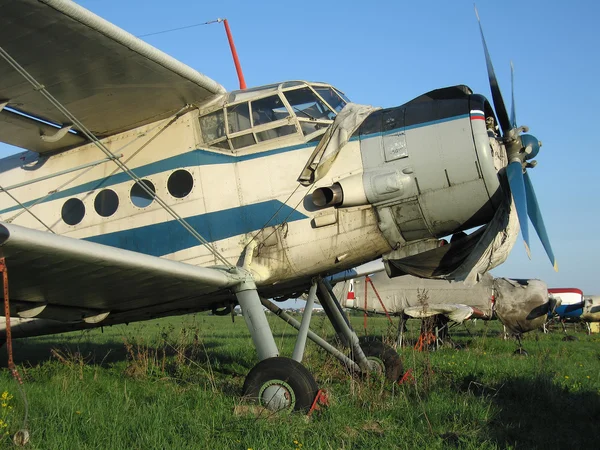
<point>106,203</point>
<point>73,211</point>
<point>180,183</point>
<point>139,197</point>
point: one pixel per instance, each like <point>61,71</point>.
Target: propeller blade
<point>496,95</point>
<point>533,210</point>
<point>513,113</point>
<point>514,172</point>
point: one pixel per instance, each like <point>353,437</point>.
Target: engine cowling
<point>430,168</point>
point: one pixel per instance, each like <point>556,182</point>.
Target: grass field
<point>175,383</point>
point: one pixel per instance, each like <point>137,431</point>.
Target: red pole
<point>380,301</point>
<point>9,349</point>
<point>236,61</point>
<point>365,310</point>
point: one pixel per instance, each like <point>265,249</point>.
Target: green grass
<point>175,383</point>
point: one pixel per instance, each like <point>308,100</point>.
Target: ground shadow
<point>33,352</point>
<point>536,413</point>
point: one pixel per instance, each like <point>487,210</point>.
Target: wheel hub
<point>277,395</point>
<point>376,365</point>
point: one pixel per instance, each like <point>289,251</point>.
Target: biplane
<point>146,190</point>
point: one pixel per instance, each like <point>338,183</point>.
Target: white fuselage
<point>233,197</point>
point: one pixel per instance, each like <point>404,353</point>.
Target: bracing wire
<point>87,133</point>
<point>25,208</point>
<point>179,28</point>
<point>80,174</point>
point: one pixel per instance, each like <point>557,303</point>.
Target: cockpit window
<point>341,94</point>
<point>272,112</point>
<point>213,126</point>
<point>238,117</point>
<point>331,96</point>
<point>267,110</point>
<point>308,106</point>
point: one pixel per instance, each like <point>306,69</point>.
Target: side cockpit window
<point>247,123</point>
<point>213,126</point>
<point>238,117</point>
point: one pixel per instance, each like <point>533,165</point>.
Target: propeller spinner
<point>520,149</point>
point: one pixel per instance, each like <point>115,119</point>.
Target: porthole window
<point>139,197</point>
<point>106,203</point>
<point>180,183</point>
<point>73,211</point>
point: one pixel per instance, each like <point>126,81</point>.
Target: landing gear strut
<point>520,350</point>
<point>284,384</point>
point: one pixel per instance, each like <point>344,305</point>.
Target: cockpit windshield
<point>332,97</point>
<point>285,110</point>
<point>306,104</point>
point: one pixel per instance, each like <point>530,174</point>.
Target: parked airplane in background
<point>575,307</point>
<point>521,305</point>
<point>147,190</point>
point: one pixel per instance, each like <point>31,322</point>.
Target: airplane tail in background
<point>350,297</point>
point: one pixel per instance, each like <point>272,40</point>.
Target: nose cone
<point>531,145</point>
<point>521,305</point>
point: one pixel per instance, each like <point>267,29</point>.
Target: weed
<point>6,412</point>
<point>184,391</point>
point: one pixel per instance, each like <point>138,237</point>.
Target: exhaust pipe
<point>348,191</point>
<point>328,196</point>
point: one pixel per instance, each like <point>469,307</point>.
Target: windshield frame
<point>293,117</point>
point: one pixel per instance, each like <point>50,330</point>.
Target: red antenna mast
<point>236,60</point>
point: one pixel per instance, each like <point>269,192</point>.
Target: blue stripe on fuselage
<point>408,127</point>
<point>189,159</point>
<point>169,237</point>
<point>201,158</point>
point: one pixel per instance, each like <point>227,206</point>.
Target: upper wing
<point>455,312</point>
<point>70,280</point>
<point>107,78</point>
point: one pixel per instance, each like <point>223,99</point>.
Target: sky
<point>385,53</point>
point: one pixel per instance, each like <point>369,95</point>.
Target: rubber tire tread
<point>394,368</point>
<point>285,369</point>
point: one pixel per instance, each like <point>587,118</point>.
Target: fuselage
<point>424,170</point>
<point>521,305</point>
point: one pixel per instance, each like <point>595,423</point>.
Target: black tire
<point>289,377</point>
<point>376,350</point>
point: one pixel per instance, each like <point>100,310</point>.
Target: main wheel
<point>281,384</point>
<point>383,356</point>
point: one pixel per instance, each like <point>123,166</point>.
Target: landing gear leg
<point>520,350</point>
<point>277,383</point>
<point>401,331</point>
<point>370,354</point>
<point>339,321</point>
<point>256,320</point>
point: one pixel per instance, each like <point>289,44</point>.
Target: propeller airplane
<point>576,307</point>
<point>521,305</point>
<point>147,190</point>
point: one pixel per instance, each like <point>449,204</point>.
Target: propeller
<point>520,149</point>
